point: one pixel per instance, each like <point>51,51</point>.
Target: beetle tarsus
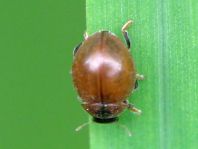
<point>139,76</point>
<point>85,35</point>
<point>126,25</point>
<point>125,33</point>
<point>135,110</point>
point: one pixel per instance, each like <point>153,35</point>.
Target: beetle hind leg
<point>132,108</point>
<point>125,33</point>
<point>135,110</point>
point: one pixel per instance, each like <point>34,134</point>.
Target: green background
<point>38,104</point>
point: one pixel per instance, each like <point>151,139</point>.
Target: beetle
<point>104,74</point>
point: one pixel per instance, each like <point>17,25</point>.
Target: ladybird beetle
<point>104,75</point>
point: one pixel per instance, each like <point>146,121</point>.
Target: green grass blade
<point>164,46</point>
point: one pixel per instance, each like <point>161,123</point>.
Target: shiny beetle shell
<point>103,74</point>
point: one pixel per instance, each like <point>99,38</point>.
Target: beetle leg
<point>125,33</point>
<point>86,35</point>
<point>76,49</point>
<point>135,110</point>
<point>132,108</point>
<point>136,84</point>
<point>139,76</point>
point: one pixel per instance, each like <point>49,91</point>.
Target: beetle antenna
<point>126,129</point>
<point>82,126</point>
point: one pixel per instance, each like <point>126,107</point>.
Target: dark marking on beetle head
<point>103,112</point>
<point>104,115</point>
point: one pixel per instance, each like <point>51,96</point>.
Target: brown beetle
<point>104,75</point>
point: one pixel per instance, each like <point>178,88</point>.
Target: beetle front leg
<point>85,35</point>
<point>125,33</point>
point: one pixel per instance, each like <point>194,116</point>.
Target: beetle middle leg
<point>138,77</point>
<point>125,33</point>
